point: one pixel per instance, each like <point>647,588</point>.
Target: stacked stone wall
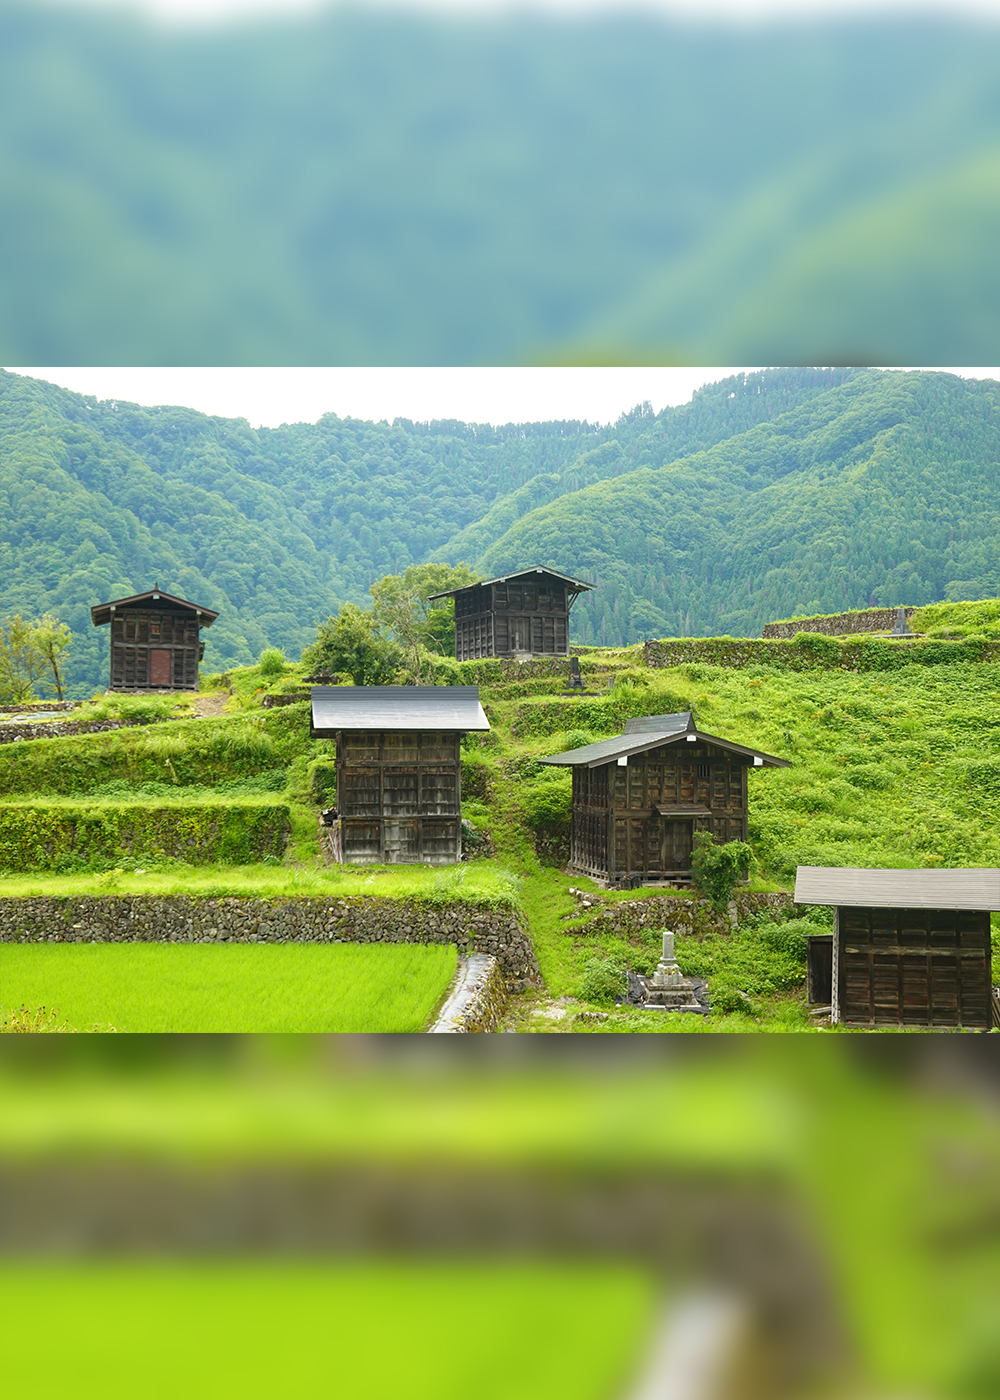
<point>838,624</point>
<point>187,919</point>
<point>687,916</point>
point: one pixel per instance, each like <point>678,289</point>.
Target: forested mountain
<point>884,490</point>
<point>783,491</point>
<point>362,186</point>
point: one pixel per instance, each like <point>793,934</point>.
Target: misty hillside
<point>780,492</point>
<point>373,187</point>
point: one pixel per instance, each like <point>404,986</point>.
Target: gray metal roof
<point>897,889</point>
<point>649,732</point>
<point>100,613</point>
<point>399,707</point>
<point>575,583</point>
<point>660,724</point>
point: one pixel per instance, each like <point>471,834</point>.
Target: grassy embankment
<point>894,767</point>
<point>205,807</point>
<point>898,766</point>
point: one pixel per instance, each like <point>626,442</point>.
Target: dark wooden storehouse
<point>639,799</point>
<point>155,640</point>
<point>909,947</point>
<point>399,769</point>
<point>521,614</point>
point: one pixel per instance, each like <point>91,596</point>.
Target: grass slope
<point>168,987</point>
<point>514,1332</point>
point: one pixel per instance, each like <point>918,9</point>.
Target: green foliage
<point>355,642</point>
<point>271,662</point>
<point>22,661</point>
<point>717,870</point>
<point>323,782</point>
<point>183,753</point>
<point>603,981</point>
<point>401,606</point>
<point>99,834</point>
<point>818,647</point>
<point>50,638</point>
<point>546,798</point>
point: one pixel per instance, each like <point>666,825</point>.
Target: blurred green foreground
<point>886,1156</point>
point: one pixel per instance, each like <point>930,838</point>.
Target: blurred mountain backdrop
<point>363,187</point>
<point>781,492</point>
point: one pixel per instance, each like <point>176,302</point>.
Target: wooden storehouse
<point>519,615</point>
<point>155,640</point>
<point>909,947</point>
<point>639,799</point>
<point>399,769</point>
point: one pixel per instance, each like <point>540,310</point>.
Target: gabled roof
<point>100,613</point>
<point>649,732</point>
<point>336,708</point>
<point>898,889</point>
<point>575,585</point>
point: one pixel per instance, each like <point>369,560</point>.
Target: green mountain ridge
<point>783,492</point>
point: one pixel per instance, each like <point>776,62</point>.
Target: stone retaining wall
<point>476,1001</point>
<point>839,624</point>
<point>40,706</point>
<point>687,916</point>
<point>186,919</point>
<point>58,729</point>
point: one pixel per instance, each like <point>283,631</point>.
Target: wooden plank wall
<point>399,797</point>
<point>498,619</point>
<point>914,967</point>
<point>638,839</point>
<point>134,634</point>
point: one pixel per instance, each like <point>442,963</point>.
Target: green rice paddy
<point>142,987</point>
<point>363,1332</point>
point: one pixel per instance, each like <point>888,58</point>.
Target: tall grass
<point>164,987</point>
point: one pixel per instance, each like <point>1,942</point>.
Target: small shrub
<point>818,647</point>
<point>731,1001</point>
<point>271,661</point>
<point>717,870</point>
<point>603,981</point>
<point>323,782</point>
<point>575,739</point>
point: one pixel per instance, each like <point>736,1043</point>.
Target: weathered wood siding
<point>618,827</point>
<point>399,798</point>
<point>501,619</point>
<point>914,967</point>
<point>154,650</point>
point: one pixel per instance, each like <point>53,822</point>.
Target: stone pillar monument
<point>668,988</point>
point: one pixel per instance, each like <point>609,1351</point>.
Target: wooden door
<point>678,841</point>
<point>160,671</point>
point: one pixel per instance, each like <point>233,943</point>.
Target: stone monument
<point>576,681</point>
<point>902,627</point>
<point>668,988</point>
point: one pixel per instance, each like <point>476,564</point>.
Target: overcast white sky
<point>472,395</point>
<point>201,11</point>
